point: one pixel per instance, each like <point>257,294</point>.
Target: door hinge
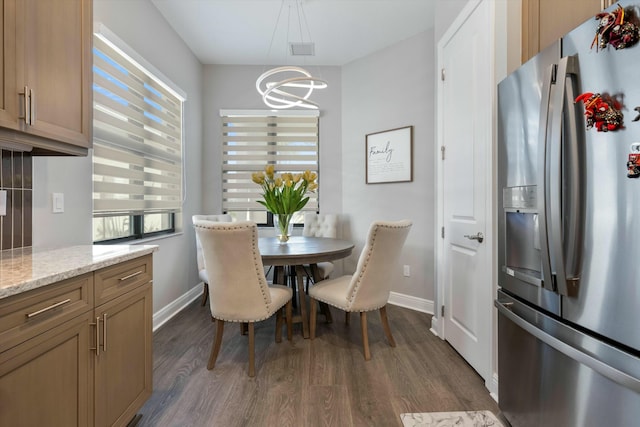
<point>442,152</point>
<point>442,311</point>
<point>442,74</point>
<point>442,232</point>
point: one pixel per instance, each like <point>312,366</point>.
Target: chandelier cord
<point>275,94</point>
<point>275,29</point>
<point>306,23</point>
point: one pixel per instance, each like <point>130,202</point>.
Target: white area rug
<point>451,419</point>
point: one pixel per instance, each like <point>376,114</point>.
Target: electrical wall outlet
<point>406,271</point>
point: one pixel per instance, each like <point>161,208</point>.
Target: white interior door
<point>466,126</point>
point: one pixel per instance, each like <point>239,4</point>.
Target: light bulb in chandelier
<point>289,91</point>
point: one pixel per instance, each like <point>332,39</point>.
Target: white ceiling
<point>240,31</point>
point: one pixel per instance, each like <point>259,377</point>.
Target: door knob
<point>479,237</point>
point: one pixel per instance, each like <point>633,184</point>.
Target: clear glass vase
<point>283,226</point>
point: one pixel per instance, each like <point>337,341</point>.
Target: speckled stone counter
<point>25,269</point>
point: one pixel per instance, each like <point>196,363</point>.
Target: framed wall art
<point>389,156</point>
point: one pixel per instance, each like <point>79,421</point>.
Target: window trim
<point>112,40</point>
<point>224,113</point>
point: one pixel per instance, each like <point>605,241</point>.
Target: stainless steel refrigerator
<point>569,237</point>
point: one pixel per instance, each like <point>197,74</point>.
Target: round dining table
<point>293,256</point>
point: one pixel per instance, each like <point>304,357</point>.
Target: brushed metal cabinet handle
<point>131,275</point>
<point>51,307</point>
<point>104,331</point>
<point>32,107</point>
<point>26,111</point>
<point>97,347</point>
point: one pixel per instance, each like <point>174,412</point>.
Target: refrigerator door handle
<point>597,365</point>
<point>543,177</point>
<point>566,284</point>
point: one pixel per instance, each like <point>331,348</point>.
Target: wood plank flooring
<point>325,382</point>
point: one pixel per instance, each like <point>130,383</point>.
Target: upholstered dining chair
<point>237,284</point>
<point>321,225</point>
<point>202,273</point>
<point>369,287</point>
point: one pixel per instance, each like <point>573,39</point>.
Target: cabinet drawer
<point>31,313</point>
<point>116,280</point>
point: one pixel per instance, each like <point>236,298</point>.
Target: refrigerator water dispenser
<point>522,258</point>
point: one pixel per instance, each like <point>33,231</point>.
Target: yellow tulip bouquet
<point>284,195</point>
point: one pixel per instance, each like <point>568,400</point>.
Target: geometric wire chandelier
<point>288,86</point>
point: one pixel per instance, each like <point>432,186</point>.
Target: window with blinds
<point>253,139</point>
<point>137,145</point>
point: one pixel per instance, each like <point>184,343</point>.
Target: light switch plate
<point>57,202</point>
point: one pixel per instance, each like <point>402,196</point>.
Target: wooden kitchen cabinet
<point>8,88</point>
<point>47,380</point>
<point>73,355</point>
<point>47,73</point>
<point>545,21</point>
<point>123,380</point>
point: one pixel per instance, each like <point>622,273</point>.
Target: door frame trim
<point>437,324</point>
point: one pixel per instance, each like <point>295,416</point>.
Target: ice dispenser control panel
<point>520,198</point>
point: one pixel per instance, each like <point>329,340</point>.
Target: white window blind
<point>137,131</point>
<point>250,141</point>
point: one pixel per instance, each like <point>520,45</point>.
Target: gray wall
<point>140,25</point>
<point>446,12</point>
<point>390,89</point>
<point>231,87</point>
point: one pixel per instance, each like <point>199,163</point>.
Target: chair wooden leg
<point>205,294</point>
<point>312,317</point>
<point>278,275</point>
<point>315,273</point>
<point>279,325</point>
<point>289,317</point>
<point>252,351</point>
<point>347,317</point>
<point>216,344</point>
<point>243,328</point>
<point>385,326</point>
<point>303,303</point>
<point>365,335</point>
<point>327,312</point>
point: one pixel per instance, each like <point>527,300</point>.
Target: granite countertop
<point>24,269</point>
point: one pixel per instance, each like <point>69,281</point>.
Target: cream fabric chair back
<point>213,218</point>
<point>320,225</point>
<point>370,285</point>
<point>237,284</point>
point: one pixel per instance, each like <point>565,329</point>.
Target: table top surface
<point>303,250</point>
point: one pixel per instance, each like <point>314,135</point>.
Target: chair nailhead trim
<point>263,284</point>
<point>366,262</point>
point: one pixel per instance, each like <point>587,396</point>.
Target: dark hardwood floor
<point>325,382</point>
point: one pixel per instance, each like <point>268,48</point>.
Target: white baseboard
<point>411,302</point>
<point>163,315</point>
<point>434,326</point>
<point>493,387</point>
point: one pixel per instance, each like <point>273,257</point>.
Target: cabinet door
<point>8,91</point>
<point>545,21</point>
<point>124,366</point>
<point>46,380</point>
<point>54,63</point>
